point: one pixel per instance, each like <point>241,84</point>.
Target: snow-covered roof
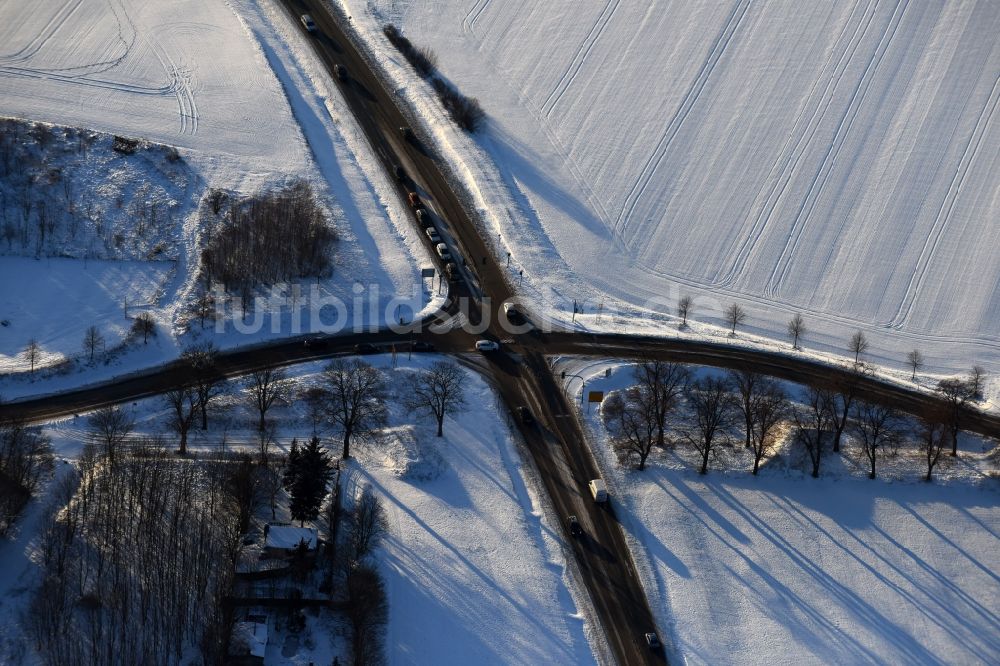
<point>288,536</point>
<point>251,636</point>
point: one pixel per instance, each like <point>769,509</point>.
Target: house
<point>249,642</point>
<point>281,540</point>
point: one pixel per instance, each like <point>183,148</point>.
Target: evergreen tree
<point>310,476</point>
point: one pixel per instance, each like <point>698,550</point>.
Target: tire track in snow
<point>943,218</point>
<point>722,40</point>
<point>576,64</point>
<point>57,20</point>
<point>469,22</point>
<point>782,266</point>
<point>187,109</point>
<point>782,171</point>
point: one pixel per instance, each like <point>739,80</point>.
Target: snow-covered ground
<point>837,160</point>
<point>786,569</point>
<point>235,86</point>
<point>476,572</point>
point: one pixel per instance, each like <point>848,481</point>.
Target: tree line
<point>743,405</point>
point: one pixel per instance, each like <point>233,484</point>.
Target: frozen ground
<point>786,569</point>
<point>234,86</point>
<point>474,570</point>
<point>838,160</point>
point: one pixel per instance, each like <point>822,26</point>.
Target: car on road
<point>308,22</point>
<point>366,348</point>
<point>442,251</point>
<point>451,270</point>
<point>652,641</point>
<point>574,526</point>
<point>487,345</point>
<point>340,71</point>
<point>423,217</point>
<point>414,200</point>
<point>433,234</point>
<point>527,418</point>
<point>422,346</point>
<point>515,315</point>
<point>399,172</point>
<point>407,133</point>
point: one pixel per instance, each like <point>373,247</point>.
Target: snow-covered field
<point>475,571</point>
<point>235,87</point>
<point>834,159</point>
<point>57,300</point>
<point>786,569</point>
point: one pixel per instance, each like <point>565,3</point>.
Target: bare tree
<point>746,384</point>
<point>858,345</point>
<point>370,523</point>
<point>265,388</point>
<point>315,399</point>
<point>206,377</point>
<point>842,391</point>
<point>660,387</point>
<point>92,341</point>
<point>631,425</point>
<point>712,404</point>
<point>735,316</point>
<point>367,610</point>
<point>243,483</point>
<point>684,309</point>
<point>358,395</point>
<point>977,375</point>
<point>770,407</point>
<point>878,430</point>
<point>439,391</point>
<point>932,434</point>
<point>110,427</point>
<point>182,405</point>
<point>916,361</point>
<point>144,324</point>
<point>796,329</point>
<point>956,394</point>
<point>32,353</point>
<point>813,424</point>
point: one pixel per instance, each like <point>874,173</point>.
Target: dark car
<point>407,133</point>
<point>399,172</point>
<point>422,346</point>
<point>340,71</point>
<point>574,526</point>
<point>366,348</point>
<point>527,418</point>
<point>652,641</point>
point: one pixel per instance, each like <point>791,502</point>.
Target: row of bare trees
<point>136,560</point>
<point>666,405</point>
<point>25,459</point>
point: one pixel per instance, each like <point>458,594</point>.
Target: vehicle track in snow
<point>579,58</point>
<point>816,187</point>
<point>722,41</point>
<point>943,217</point>
<point>783,170</point>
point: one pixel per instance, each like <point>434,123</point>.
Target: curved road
<point>521,373</point>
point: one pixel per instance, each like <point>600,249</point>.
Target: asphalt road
<point>520,372</point>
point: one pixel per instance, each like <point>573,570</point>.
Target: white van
<point>599,490</point>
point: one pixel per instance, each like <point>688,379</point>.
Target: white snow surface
<point>237,88</point>
<point>834,159</point>
<point>786,569</point>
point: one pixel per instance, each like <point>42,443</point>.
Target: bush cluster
<point>465,111</point>
<point>269,239</point>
